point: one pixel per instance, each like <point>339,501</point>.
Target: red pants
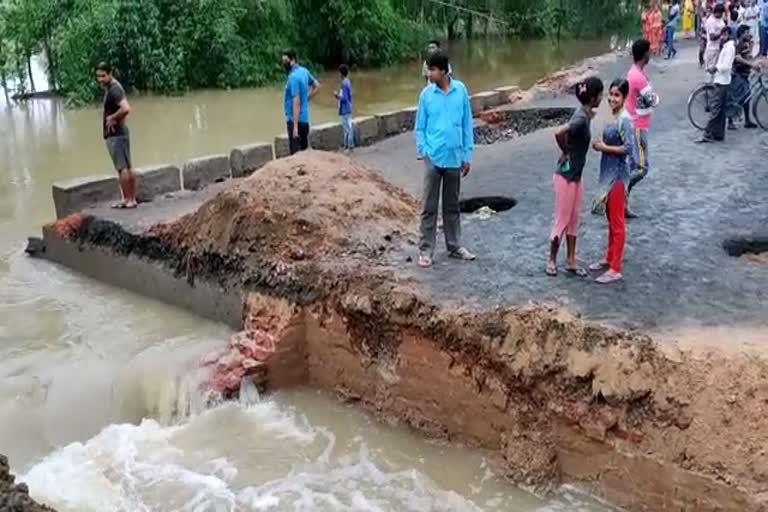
<point>617,227</point>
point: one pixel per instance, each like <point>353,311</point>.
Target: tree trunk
<point>470,26</point>
<point>4,84</point>
<point>52,78</point>
<point>452,27</point>
<point>29,72</point>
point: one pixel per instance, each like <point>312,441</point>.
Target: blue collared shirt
<point>298,84</point>
<point>444,131</point>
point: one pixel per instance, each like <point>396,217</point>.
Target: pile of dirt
<point>314,209</point>
<point>15,497</point>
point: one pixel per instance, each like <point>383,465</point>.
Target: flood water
<point>90,375</point>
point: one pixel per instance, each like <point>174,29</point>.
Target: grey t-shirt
<point>579,138</point>
<point>113,95</point>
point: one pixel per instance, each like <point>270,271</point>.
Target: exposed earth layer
<point>314,246</point>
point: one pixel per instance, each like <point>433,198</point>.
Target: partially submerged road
<point>675,268</point>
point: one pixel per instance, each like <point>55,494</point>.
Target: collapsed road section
<point>306,256</point>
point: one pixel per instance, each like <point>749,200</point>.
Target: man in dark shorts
<point>116,134</point>
<point>300,87</point>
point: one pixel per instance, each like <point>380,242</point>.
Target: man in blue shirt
<point>299,89</point>
<point>344,95</point>
<point>444,140</point>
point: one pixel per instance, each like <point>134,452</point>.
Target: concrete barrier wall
<point>508,92</point>
<point>399,121</point>
<point>244,160</point>
<point>486,100</point>
<point>367,130</point>
<point>156,181</point>
<point>73,195</point>
<point>282,149</point>
<point>326,137</point>
<point>201,172</point>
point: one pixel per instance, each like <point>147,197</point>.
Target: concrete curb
<point>367,130</point>
<point>244,160</point>
<point>487,99</point>
<point>157,180</point>
<point>326,136</point>
<point>76,194</point>
<point>282,148</point>
<point>396,122</point>
<point>200,172</point>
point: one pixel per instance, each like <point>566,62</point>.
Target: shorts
<point>638,163</point>
<point>119,149</point>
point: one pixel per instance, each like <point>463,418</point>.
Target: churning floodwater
<point>98,408</point>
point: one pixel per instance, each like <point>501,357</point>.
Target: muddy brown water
<point>92,378</point>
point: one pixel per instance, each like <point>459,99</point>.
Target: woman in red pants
<point>616,146</point>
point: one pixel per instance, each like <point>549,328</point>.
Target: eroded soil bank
<point>14,496</point>
<point>313,244</point>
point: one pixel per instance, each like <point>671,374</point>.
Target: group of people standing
<point>444,142</point>
<point>660,30</point>
<point>730,57</point>
<point>623,164</point>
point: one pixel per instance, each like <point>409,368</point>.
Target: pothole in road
<point>752,248</point>
<point>495,203</point>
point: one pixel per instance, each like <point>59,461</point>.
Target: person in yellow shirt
<point>689,13</point>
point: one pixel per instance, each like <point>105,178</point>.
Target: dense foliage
<point>174,45</point>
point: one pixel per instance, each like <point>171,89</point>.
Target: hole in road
<point>495,203</point>
<point>745,245</point>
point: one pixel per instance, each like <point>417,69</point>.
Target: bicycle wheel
<point>760,109</point>
<point>699,105</point>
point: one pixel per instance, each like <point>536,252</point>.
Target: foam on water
<point>267,457</point>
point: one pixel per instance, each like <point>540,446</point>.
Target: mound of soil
<point>15,497</point>
<point>312,208</point>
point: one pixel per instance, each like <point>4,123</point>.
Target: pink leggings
<point>567,205</point>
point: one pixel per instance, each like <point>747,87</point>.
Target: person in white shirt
<point>713,27</point>
<point>751,18</point>
<point>722,70</point>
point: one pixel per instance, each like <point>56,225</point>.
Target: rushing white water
<point>269,456</point>
<point>102,411</point>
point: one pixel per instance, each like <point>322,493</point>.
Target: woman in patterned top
<point>616,147</point>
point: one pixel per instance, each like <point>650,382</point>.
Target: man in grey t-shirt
<point>116,134</point>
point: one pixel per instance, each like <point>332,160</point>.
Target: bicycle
<point>699,102</point>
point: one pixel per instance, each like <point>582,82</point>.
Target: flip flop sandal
<point>578,272</point>
<point>119,206</point>
<point>425,261</point>
<point>609,277</point>
<point>551,271</point>
<point>597,267</point>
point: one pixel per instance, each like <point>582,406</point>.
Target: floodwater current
<point>98,410</point>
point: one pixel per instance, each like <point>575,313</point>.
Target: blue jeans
<point>763,40</point>
<point>349,131</point>
<point>669,40</point>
